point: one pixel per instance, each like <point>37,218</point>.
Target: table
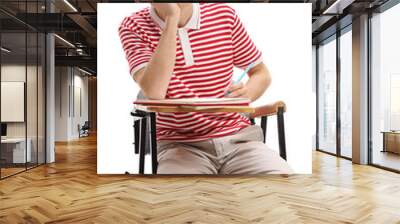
<point>391,141</point>
<point>13,150</point>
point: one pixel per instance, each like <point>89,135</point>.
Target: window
<point>346,93</point>
<point>385,89</point>
<point>327,96</point>
<point>22,102</point>
<point>15,148</point>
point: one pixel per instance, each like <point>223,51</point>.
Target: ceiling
<point>76,22</point>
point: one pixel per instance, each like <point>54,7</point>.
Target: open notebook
<point>217,102</point>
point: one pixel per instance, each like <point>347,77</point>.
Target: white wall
<point>286,45</point>
<point>68,82</point>
<point>80,84</point>
<point>61,103</point>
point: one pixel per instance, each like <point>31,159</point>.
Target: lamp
<point>5,50</point>
<point>84,71</point>
<point>70,5</point>
<point>64,40</point>
<point>337,7</point>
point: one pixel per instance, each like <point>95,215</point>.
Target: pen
<point>244,73</point>
<point>246,70</point>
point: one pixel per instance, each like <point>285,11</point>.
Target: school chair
<point>145,131</point>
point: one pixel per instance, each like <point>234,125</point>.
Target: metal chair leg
<point>142,149</point>
<point>281,133</point>
<point>153,136</point>
<point>264,127</point>
<point>136,127</point>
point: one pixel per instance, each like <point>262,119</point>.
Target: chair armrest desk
<point>148,113</point>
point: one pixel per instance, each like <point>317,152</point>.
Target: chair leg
<point>264,127</point>
<point>142,149</point>
<point>153,137</point>
<point>136,132</point>
<point>281,133</point>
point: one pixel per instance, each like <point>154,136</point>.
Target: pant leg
<point>179,158</point>
<point>249,155</point>
<point>255,158</point>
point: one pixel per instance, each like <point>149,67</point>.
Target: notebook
<point>217,102</point>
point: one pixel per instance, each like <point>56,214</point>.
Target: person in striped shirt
<point>186,50</point>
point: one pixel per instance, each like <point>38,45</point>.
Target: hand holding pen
<point>237,89</point>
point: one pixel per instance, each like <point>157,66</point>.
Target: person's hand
<point>238,90</point>
<point>168,10</point>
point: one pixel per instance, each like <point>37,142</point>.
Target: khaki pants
<point>240,153</point>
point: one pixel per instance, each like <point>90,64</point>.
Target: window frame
<point>334,37</point>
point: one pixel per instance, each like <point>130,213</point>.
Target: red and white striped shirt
<point>208,47</point>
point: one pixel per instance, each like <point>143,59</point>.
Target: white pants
<point>240,153</point>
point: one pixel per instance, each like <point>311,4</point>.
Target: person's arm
<point>154,78</point>
<point>259,81</point>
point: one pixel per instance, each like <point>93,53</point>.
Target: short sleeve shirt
<point>209,46</point>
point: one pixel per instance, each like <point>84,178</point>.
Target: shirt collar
<point>193,23</point>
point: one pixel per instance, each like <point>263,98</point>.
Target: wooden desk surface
<point>208,109</point>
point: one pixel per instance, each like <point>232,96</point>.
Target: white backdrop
<point>281,31</point>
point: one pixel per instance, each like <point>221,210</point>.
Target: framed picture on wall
<point>12,101</point>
